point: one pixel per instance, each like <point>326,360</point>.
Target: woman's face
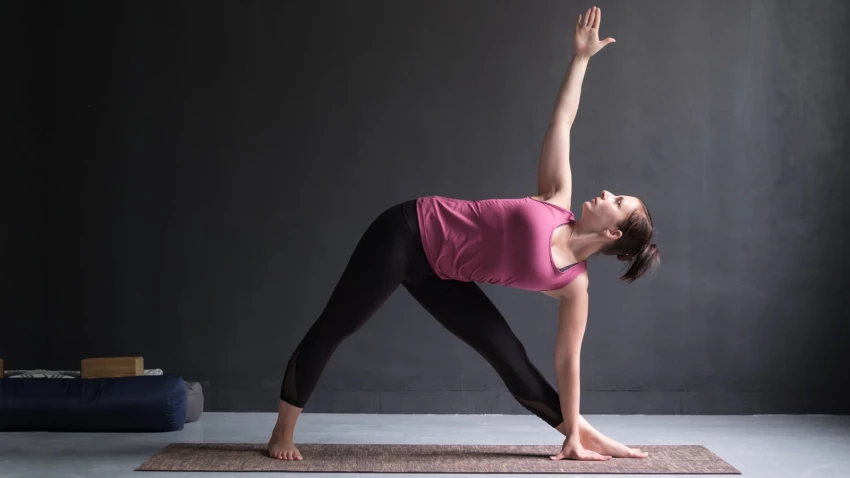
<point>606,211</point>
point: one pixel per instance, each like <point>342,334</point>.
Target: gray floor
<point>760,446</point>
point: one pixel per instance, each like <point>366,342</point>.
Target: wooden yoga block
<point>108,367</point>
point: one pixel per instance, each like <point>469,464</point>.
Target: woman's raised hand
<point>586,39</point>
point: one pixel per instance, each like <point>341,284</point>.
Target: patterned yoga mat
<point>369,458</point>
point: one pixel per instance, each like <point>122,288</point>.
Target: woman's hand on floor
<point>573,450</point>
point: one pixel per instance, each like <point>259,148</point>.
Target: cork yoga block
<point>110,367</point>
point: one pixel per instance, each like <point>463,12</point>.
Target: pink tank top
<point>494,241</point>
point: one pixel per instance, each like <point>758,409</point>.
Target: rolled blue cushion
<point>128,404</point>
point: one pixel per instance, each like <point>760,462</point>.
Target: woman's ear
<point>613,234</point>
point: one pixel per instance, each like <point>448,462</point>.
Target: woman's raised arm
<point>554,177</point>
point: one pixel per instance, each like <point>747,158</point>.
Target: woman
<point>438,248</point>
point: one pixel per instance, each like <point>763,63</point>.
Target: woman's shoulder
<point>576,287</point>
<point>556,201</point>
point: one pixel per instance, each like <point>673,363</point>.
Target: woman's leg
<point>376,268</point>
<point>374,271</point>
<point>464,309</point>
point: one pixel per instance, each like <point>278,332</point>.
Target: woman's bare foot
<point>281,445</point>
<point>606,446</point>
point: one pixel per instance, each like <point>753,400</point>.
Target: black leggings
<point>390,253</point>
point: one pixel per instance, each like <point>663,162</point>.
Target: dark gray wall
<point>216,162</point>
<point>22,183</point>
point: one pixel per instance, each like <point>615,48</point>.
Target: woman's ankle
<point>287,416</point>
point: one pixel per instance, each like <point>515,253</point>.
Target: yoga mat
<point>376,458</point>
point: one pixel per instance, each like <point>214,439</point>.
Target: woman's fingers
<point>585,455</point>
<point>590,19</point>
<point>592,455</point>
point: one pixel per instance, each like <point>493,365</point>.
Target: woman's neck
<point>583,244</point>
